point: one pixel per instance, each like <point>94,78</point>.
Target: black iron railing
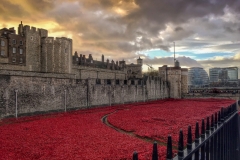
<point>219,139</point>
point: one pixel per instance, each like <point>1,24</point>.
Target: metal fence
<point>218,140</point>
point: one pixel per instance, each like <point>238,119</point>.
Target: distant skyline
<point>206,32</point>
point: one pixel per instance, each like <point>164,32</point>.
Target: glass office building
<point>197,77</point>
<point>229,74</point>
<point>214,74</point>
<point>232,73</point>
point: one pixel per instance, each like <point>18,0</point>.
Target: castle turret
<point>108,65</point>
<point>139,61</point>
<point>80,59</point>
<point>113,65</point>
<point>102,58</point>
<point>176,63</point>
<point>90,57</point>
<point>122,63</point>
<point>75,58</point>
<point>20,29</point>
<point>83,59</point>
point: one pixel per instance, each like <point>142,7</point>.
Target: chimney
<point>102,58</point>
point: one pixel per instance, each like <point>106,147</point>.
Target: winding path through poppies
<point>132,134</point>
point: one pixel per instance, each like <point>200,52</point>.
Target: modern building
<point>229,74</point>
<point>197,77</point>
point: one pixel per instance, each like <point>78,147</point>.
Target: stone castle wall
<point>44,92</point>
<point>63,55</point>
<point>56,55</point>
<point>176,78</point>
<point>47,55</point>
<point>40,53</point>
<point>83,72</point>
<point>134,71</point>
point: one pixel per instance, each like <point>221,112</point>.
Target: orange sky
<point>206,32</point>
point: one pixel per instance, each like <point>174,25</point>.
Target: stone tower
<point>65,55</point>
<point>33,59</point>
<point>47,54</point>
<point>33,46</point>
<point>139,61</point>
<point>176,78</point>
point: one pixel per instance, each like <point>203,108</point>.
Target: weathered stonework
<point>56,55</point>
<point>83,72</point>
<point>184,80</point>
<point>47,92</point>
<point>39,53</point>
<point>176,78</point>
<point>52,79</point>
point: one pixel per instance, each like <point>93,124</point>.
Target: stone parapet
<point>37,74</point>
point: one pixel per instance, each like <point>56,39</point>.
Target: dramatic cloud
<point>124,28</point>
<point>184,61</point>
<point>222,62</point>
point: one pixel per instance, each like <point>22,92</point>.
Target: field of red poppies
<point>158,120</point>
<point>82,135</point>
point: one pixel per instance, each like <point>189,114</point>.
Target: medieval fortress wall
<point>43,53</point>
<point>45,76</point>
<point>40,92</point>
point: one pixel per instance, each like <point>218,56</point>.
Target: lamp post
<point>16,104</point>
<point>65,100</point>
<point>174,54</point>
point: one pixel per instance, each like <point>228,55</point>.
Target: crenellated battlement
<point>43,53</point>
<point>33,30</point>
<point>48,40</point>
<point>55,39</point>
<point>56,54</point>
<point>60,39</point>
<point>27,28</point>
<point>42,32</point>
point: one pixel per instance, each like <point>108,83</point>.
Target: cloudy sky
<point>206,32</point>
